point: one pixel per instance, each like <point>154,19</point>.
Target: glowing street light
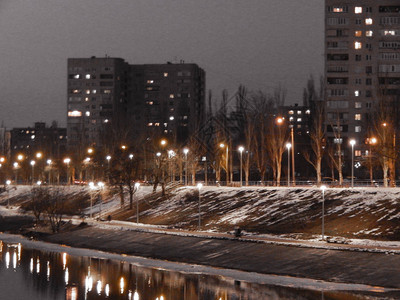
<point>33,169</point>
<point>20,157</point>
<point>323,188</point>
<point>288,146</point>
<point>163,142</point>
<point>241,149</point>
<point>39,155</point>
<point>352,143</point>
<point>67,161</point>
<point>90,150</point>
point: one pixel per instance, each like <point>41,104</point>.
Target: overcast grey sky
<point>258,43</point>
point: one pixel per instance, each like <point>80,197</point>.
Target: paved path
<point>378,269</point>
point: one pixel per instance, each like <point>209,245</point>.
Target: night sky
<point>258,43</point>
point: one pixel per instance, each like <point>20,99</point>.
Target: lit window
<point>87,76</point>
<point>356,93</point>
<point>105,121</point>
<point>86,99</point>
<point>185,117</point>
<point>149,124</point>
<point>389,32</point>
<point>291,119</point>
<point>165,124</point>
<point>299,112</point>
<point>357,129</point>
<point>87,92</point>
<point>94,91</point>
<point>32,137</point>
<point>357,105</point>
<point>298,119</point>
<point>74,113</point>
<point>87,113</point>
<point>357,117</point>
<point>369,33</point>
<point>150,102</point>
<point>368,21</point>
<point>76,91</point>
<point>156,124</point>
<point>358,33</point>
<point>171,96</point>
<point>76,76</point>
<point>358,9</point>
<point>171,118</point>
<point>357,153</point>
<point>357,45</point>
<point>308,112</point>
<point>291,112</point>
<point>150,81</point>
<point>165,74</point>
<point>338,141</point>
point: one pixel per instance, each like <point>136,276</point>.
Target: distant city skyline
<point>260,44</point>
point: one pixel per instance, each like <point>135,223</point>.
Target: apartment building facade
<point>165,100</point>
<point>362,62</point>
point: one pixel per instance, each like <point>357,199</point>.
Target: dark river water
<point>33,274</point>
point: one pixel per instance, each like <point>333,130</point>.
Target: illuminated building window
<point>87,113</point>
<point>87,92</point>
<point>357,93</point>
<point>358,33</point>
<point>357,153</point>
<point>357,117</point>
<point>87,76</point>
<point>94,91</point>
<point>369,33</point>
<point>357,129</point>
<point>368,21</point>
<point>171,96</point>
<point>165,74</point>
<point>338,141</point>
<point>74,113</point>
<point>358,9</point>
<point>357,105</point>
<point>150,81</point>
<point>105,121</point>
<point>357,45</point>
<point>86,99</point>
<point>149,124</point>
<point>291,119</point>
<point>76,91</point>
<point>171,118</point>
<point>299,112</point>
<point>156,124</point>
<point>308,112</point>
<point>291,112</point>
<point>298,119</point>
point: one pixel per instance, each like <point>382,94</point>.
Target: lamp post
<point>137,185</point>
<point>186,151</point>
<point>222,145</point>
<point>49,166</point>
<point>16,166</point>
<point>8,182</point>
<point>352,143</point>
<point>171,154</point>
<point>288,146</point>
<point>323,188</point>
<point>241,148</point>
<point>108,158</point>
<point>372,141</point>
<point>33,170</point>
<point>199,186</point>
<point>67,161</point>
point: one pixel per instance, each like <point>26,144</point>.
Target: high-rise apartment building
<point>150,100</point>
<point>362,62</point>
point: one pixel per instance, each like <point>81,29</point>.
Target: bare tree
<point>317,130</point>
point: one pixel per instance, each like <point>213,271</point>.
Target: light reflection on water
<point>33,274</point>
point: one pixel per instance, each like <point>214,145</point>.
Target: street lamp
<point>163,142</point>
<point>49,164</point>
<point>352,143</point>
<point>372,142</point>
<point>131,156</point>
<point>288,146</point>
<point>222,145</point>
<point>90,150</point>
<point>199,186</point>
<point>323,188</point>
<point>16,166</point>
<point>186,151</point>
<point>108,158</point>
<point>8,182</point>
<point>171,154</point>
<point>241,148</point>
<point>67,161</point>
<point>137,185</point>
<point>33,170</point>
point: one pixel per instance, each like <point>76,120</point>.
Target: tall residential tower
<point>362,63</point>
